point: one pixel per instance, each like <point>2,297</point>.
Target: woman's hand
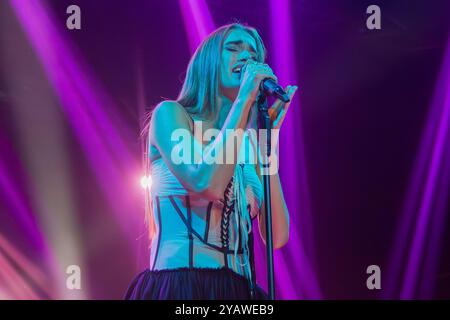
<point>253,74</point>
<point>278,110</point>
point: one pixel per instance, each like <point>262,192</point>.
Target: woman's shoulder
<point>167,116</point>
<point>171,107</point>
<point>169,111</point>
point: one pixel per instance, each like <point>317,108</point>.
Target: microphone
<point>270,87</point>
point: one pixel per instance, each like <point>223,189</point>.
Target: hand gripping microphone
<point>270,87</point>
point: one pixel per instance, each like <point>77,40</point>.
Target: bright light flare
<point>146,182</point>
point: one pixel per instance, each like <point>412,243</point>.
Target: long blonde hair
<point>200,90</point>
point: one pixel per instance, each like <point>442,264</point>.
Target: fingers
<point>279,108</point>
<point>259,71</point>
<point>290,91</point>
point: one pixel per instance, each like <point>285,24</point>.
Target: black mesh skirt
<point>192,284</point>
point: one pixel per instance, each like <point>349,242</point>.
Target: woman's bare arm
<point>209,180</point>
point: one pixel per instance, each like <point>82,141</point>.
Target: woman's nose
<point>245,55</point>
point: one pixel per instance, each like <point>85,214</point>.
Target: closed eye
<point>253,57</point>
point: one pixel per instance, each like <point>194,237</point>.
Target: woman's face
<point>238,47</point>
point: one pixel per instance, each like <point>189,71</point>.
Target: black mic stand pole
<point>264,123</point>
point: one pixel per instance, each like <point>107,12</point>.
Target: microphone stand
<point>264,123</point>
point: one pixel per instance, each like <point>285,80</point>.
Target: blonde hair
<point>200,90</point>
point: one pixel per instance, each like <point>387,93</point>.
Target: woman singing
<point>201,212</point>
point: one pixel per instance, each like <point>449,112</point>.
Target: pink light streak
<point>197,19</point>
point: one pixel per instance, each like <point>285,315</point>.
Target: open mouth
<point>237,69</point>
